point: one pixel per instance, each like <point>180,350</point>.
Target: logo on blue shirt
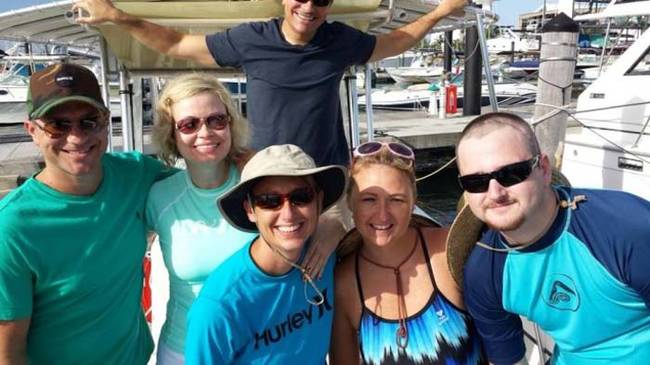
<point>560,292</point>
<point>294,322</point>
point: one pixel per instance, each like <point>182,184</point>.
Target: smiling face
<point>205,146</point>
<point>75,155</point>
<point>381,200</point>
<point>301,20</point>
<point>507,209</point>
<point>287,227</point>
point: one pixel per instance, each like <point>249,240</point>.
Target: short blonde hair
<point>186,86</point>
<point>386,158</point>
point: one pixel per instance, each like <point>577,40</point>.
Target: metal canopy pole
<point>127,119</point>
<point>103,56</point>
<point>486,63</point>
<point>353,106</point>
<point>369,116</point>
<point>605,41</point>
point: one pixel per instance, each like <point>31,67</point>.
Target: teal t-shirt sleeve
<point>210,335</point>
<point>152,210</point>
<point>15,282</point>
<point>157,168</point>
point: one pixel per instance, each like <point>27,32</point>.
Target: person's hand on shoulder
<point>324,243</point>
<point>94,11</point>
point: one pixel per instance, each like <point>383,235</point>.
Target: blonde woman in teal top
<point>196,121</point>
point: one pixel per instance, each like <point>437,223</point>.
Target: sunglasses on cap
<point>57,128</point>
<point>272,201</point>
<point>319,3</point>
<point>373,147</point>
<point>506,176</point>
<point>190,125</point>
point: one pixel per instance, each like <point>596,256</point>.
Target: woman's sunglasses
<point>371,148</point>
<point>272,201</point>
<point>320,3</point>
<point>506,176</point>
<point>57,128</point>
<point>190,125</point>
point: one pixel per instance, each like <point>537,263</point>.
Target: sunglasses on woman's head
<point>190,125</point>
<point>373,147</point>
<point>57,128</point>
<point>272,201</point>
<point>319,3</point>
<point>506,176</point>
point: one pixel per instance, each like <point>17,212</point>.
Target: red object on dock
<point>452,98</point>
<point>146,286</point>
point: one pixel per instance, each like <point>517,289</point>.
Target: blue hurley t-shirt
<point>293,91</point>
<point>586,282</point>
<point>245,316</point>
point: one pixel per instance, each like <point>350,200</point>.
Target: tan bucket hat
<point>466,230</point>
<point>280,160</point>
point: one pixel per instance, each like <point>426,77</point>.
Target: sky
<point>506,9</point>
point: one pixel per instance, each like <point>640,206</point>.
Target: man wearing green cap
<point>73,236</point>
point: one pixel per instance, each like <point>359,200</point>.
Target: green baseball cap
<point>59,84</point>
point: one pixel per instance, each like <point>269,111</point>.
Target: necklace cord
<point>307,279</point>
<point>401,335</point>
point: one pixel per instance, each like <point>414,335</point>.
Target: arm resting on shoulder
<point>159,38</point>
<point>13,342</point>
<point>404,38</point>
<point>326,239</point>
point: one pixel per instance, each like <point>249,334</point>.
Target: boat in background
<point>611,148</point>
<point>509,41</point>
<point>418,96</point>
<point>425,67</point>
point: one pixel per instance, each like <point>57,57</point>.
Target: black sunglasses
<point>57,128</point>
<point>320,3</point>
<point>508,175</point>
<point>190,125</point>
<point>272,201</point>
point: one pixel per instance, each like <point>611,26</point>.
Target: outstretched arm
<point>402,39</point>
<point>162,39</point>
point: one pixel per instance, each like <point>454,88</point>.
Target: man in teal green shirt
<point>73,236</point>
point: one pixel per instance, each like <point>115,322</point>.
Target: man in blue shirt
<point>293,65</point>
<point>261,306</point>
<point>573,261</point>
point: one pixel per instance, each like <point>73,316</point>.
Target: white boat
<point>13,88</point>
<point>612,147</point>
<point>423,68</point>
<point>418,96</point>
<point>509,41</point>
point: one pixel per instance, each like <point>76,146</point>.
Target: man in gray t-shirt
<point>293,65</point>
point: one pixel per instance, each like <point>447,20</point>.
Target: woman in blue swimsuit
<point>396,302</point>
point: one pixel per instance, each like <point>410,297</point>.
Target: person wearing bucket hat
<point>564,258</point>
<point>396,302</point>
<point>261,306</point>
<point>72,237</point>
